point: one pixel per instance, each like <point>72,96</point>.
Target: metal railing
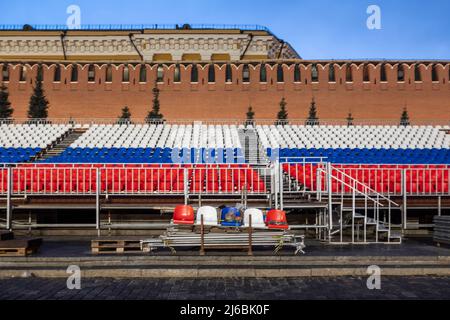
<point>131,27</point>
<point>356,188</point>
<point>299,177</point>
<point>360,186</point>
<point>301,122</point>
<point>60,179</point>
<point>426,180</point>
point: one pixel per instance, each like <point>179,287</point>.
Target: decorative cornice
<point>148,44</point>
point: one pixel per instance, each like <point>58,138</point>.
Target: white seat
<point>257,218</point>
<point>209,216</point>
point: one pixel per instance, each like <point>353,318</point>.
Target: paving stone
<point>233,289</point>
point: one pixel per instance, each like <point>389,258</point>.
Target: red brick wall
<point>202,100</point>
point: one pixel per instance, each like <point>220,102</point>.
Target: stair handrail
<point>261,150</point>
<point>350,186</point>
<point>366,186</point>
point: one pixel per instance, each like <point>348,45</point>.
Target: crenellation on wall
<point>373,99</point>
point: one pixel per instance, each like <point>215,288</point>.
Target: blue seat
<point>230,217</point>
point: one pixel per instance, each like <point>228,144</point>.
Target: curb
<point>251,272</point>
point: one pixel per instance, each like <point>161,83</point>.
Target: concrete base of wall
<point>222,266</point>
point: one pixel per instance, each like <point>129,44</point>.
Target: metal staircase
<point>59,146</point>
<point>356,218</point>
<point>251,146</point>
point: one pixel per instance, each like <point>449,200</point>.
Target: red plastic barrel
<point>183,214</point>
<point>276,219</point>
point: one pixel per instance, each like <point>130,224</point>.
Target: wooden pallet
<point>114,246</point>
<point>19,248</point>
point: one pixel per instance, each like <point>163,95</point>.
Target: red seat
<point>276,219</point>
<point>227,186</point>
<point>183,214</point>
<point>164,186</point>
<point>147,186</point>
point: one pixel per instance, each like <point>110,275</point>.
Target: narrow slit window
<point>126,74</point>
<point>5,73</point>
<point>366,74</point>
<point>211,74</point>
<point>280,73</point>
<point>349,73</point>
<point>400,73</point>
<point>263,73</point>
<point>194,73</point>
<point>91,73</point>
<point>177,73</point>
<point>57,74</point>
<point>160,74</point>
<point>23,74</point>
<point>74,74</point>
<point>383,74</point>
<point>314,73</point>
<point>417,73</point>
<point>331,73</point>
<point>143,74</point>
<point>297,73</point>
<point>434,74</point>
<point>108,74</point>
<point>228,74</point>
<point>40,73</point>
<point>246,73</point>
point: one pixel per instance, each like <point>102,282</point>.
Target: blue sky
<point>317,29</point>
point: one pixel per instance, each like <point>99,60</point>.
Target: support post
<point>97,201</point>
<point>353,211</point>
<point>318,186</point>
<point>275,182</point>
<point>389,220</point>
<point>341,230</point>
<point>404,206</point>
<point>250,236</point>
<point>202,236</point>
<point>365,213</point>
<point>439,206</point>
<point>330,198</point>
<point>245,197</point>
<point>185,186</point>
<point>280,174</point>
<point>377,219</point>
<point>9,208</point>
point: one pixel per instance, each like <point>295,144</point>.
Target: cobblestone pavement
<point>222,289</point>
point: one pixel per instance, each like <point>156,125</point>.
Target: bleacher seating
<point>19,142</point>
<point>151,143</point>
<point>167,159</point>
<point>358,144</point>
<point>201,143</point>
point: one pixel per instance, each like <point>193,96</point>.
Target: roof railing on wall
<point>443,123</point>
<point>131,27</point>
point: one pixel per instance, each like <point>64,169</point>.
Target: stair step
<point>61,145</point>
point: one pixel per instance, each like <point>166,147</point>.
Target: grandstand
<point>202,143</point>
<point>20,143</point>
<point>327,168</point>
<point>362,181</point>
